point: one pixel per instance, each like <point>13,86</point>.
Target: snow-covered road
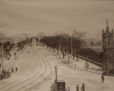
<point>36,73</point>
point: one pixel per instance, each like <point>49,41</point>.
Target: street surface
<point>36,72</point>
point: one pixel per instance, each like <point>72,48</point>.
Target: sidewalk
<point>78,65</point>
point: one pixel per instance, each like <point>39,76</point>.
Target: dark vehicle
<point>6,74</point>
<point>60,85</point>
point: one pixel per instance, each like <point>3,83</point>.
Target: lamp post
<point>2,51</point>
<point>55,73</point>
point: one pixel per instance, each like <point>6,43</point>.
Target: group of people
<point>16,69</point>
<point>102,75</point>
<point>82,87</point>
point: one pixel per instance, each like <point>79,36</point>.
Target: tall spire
<point>112,31</point>
<point>102,31</point>
<point>107,23</point>
<point>107,27</point>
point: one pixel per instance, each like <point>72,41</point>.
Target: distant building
<point>34,41</point>
<point>108,48</point>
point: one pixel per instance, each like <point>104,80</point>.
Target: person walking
<point>12,69</point>
<point>77,88</point>
<point>102,77</point>
<point>16,69</point>
<point>75,65</point>
<point>83,87</point>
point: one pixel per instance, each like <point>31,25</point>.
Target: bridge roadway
<point>36,73</point>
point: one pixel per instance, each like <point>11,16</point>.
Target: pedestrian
<point>75,65</point>
<point>77,88</point>
<point>102,77</point>
<point>8,58</point>
<point>77,57</point>
<point>12,69</point>
<point>14,53</point>
<point>83,87</point>
<point>86,66</point>
<point>1,77</point>
<point>15,57</point>
<point>16,69</point>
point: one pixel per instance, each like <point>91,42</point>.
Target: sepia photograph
<point>56,45</point>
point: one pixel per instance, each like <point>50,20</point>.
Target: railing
<point>90,60</point>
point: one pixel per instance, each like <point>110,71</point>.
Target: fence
<point>90,60</point>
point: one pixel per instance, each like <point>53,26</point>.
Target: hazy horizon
<point>55,16</point>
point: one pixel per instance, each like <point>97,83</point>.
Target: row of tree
<point>7,46</point>
<point>64,43</point>
<point>74,45</point>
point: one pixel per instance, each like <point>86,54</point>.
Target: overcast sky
<point>55,16</point>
